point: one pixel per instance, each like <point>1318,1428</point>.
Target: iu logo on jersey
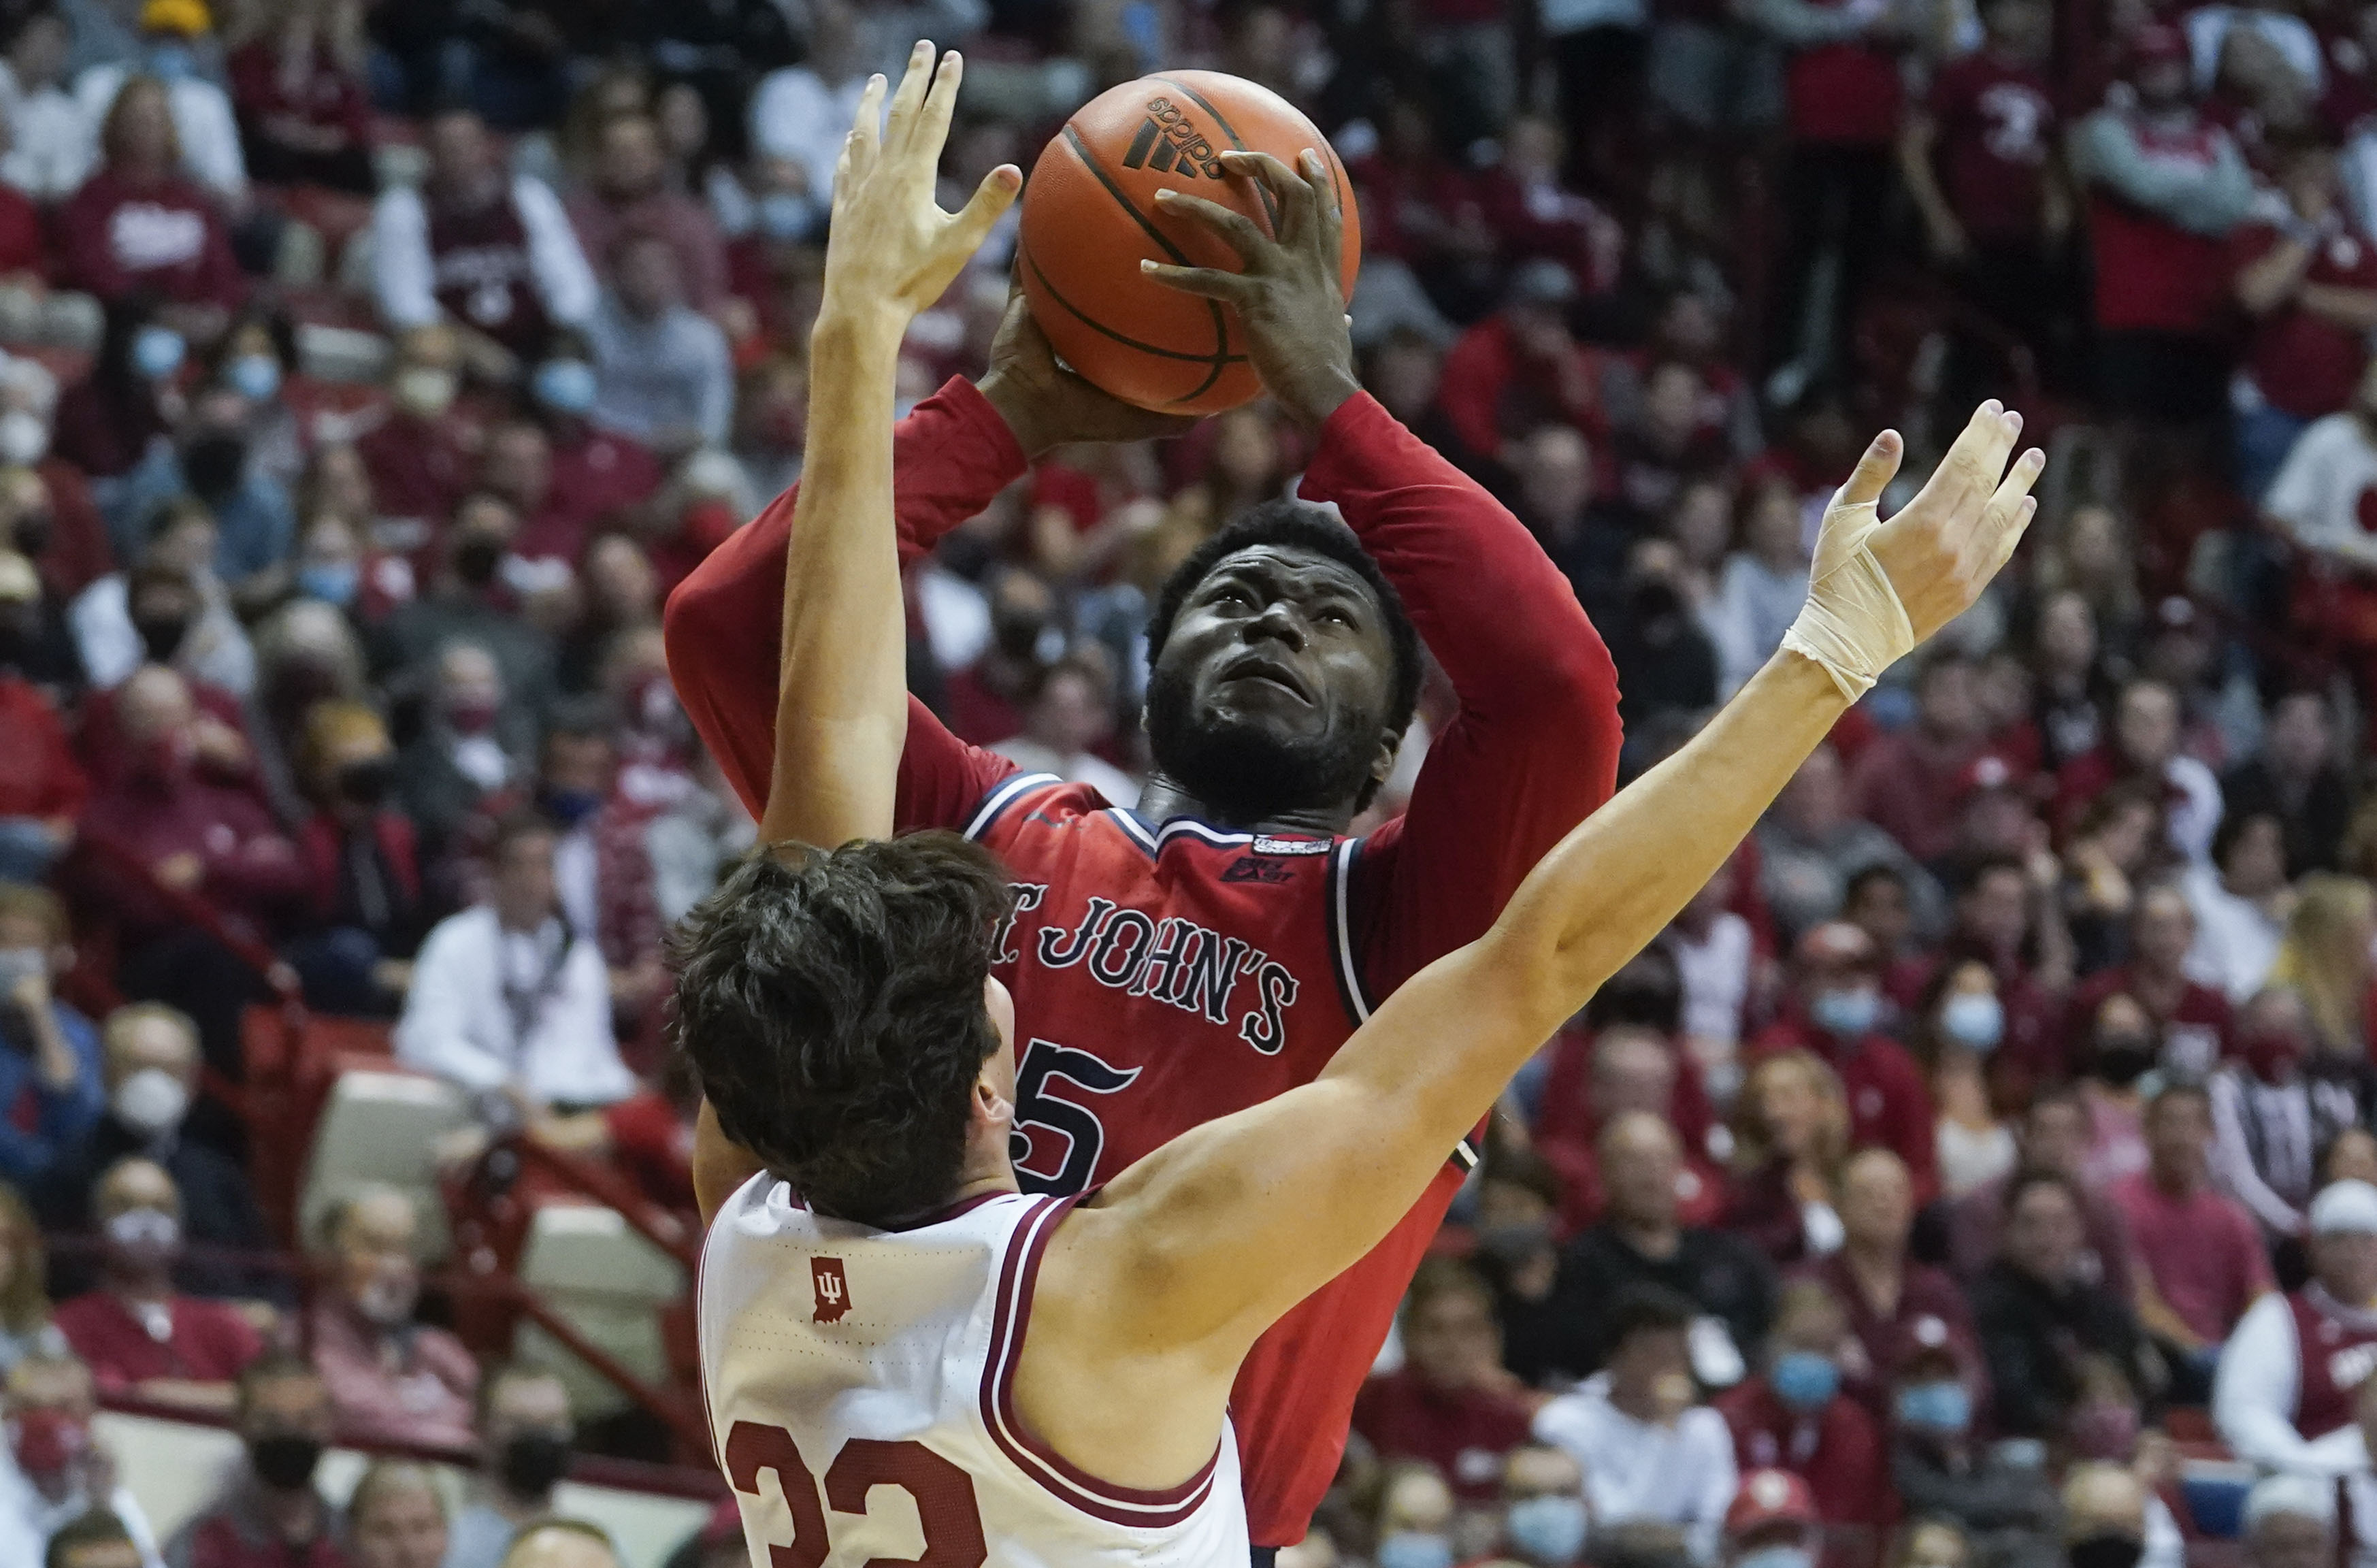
<point>832,1288</point>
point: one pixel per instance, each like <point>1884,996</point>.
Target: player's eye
<point>1337,614</point>
<point>1231,596</point>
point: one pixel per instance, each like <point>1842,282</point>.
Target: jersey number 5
<point>1038,1105</point>
<point>944,1494</point>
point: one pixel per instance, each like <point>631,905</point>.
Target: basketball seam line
<point>1101,328</point>
<point>1271,203</point>
<point>1221,355</point>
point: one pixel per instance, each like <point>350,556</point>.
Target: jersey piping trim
<point>1099,1500</point>
<point>963,1207</point>
<point>1341,931</point>
<point>1004,794</point>
<point>1133,828</point>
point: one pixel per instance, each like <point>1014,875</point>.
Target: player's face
<point>1273,688</point>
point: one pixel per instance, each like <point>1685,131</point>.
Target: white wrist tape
<point>1853,624</point>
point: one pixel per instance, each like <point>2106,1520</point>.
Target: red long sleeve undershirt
<point>1532,751</point>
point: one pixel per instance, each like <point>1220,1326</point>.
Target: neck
<point>293,1516</point>
<point>141,1289</point>
<point>512,1506</point>
<point>2178,1182</point>
<point>1165,798</point>
<point>1652,1239</point>
<point>1638,1402</point>
<point>528,927</point>
<point>1874,1256</point>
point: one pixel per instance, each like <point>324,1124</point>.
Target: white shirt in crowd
<point>2236,940</point>
<point>1682,1474</point>
<point>50,142</point>
<point>491,1007</point>
<point>216,650</point>
<point>203,122</point>
<point>1084,767</point>
<point>27,1519</point>
<point>2315,499</point>
<point>2253,1399</point>
<point>795,115</point>
<point>1714,973</point>
<point>404,273</point>
<point>2195,809</point>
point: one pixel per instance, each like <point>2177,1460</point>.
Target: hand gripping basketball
<point>892,250</point>
<point>1877,588</point>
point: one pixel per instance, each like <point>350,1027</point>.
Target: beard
<point>1245,772</point>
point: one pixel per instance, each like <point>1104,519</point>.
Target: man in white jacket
<point>2292,1369</point>
<point>507,1002</point>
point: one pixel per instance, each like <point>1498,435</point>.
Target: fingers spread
<point>859,147</point>
<point>1974,463</point>
<point>911,95</point>
<point>1209,282</point>
<point>1236,228</point>
<point>2010,511</point>
<point>1293,198</point>
<point>1874,471</point>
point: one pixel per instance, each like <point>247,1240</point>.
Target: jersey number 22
<point>944,1494</point>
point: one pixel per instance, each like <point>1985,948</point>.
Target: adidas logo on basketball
<point>1169,141</point>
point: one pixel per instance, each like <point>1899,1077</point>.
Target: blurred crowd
<point>1946,1187</point>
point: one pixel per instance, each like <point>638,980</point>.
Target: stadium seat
<point>383,1127</point>
<point>610,1284</point>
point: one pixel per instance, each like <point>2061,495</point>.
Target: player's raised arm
<point>841,712</point>
<point>841,694</point>
<point>1228,1227</point>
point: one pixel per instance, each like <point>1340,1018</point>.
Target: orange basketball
<point>1090,215</point>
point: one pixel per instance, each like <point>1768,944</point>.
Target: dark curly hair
<point>831,1006</point>
<point>1298,527</point>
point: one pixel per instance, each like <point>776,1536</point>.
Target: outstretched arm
<point>1228,1227</point>
<point>841,701</point>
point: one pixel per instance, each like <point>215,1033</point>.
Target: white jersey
<point>842,1358</point>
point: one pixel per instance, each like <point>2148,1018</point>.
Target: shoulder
<point>1703,1427</point>
<point>448,1357</point>
<point>1571,1418</point>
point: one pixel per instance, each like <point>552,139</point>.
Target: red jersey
<point>1837,1450</point>
<point>1167,973</point>
<point>1846,93</point>
<point>205,1342</point>
<point>1466,1434</point>
<point>2336,1350</point>
<point>2152,275</point>
<point>1996,126</point>
<point>2303,363</point>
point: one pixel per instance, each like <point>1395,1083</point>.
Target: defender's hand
<point>1046,405</point>
<point>1288,299</point>
<point>1877,588</point>
<point>892,250</point>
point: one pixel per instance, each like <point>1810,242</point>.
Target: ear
<point>1382,764</point>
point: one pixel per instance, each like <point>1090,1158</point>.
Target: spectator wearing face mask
<point>1837,1015</point>
<point>1881,1286</point>
<point>2122,1049</point>
<point>171,609</point>
<point>466,752</point>
<point>2039,1316</point>
<point>1545,1520</point>
<point>141,1336</point>
<point>1517,1214</point>
<point>1940,1466</point>
<point>2105,1523</point>
<point>2239,901</point>
<point>141,222</point>
<point>596,472</point>
<point>2283,1396</point>
<point>1415,1519</point>
<point>468,601</point>
<point>2202,1259</point>
<point>508,1001</point>
<point>420,451</point>
<point>2190,1020</point>
<point>1775,1522</point>
<point>1793,1417</point>
<point>150,1064</point>
<point>54,1471</point>
<point>49,1052</point>
<point>525,1438</point>
<point>1962,1023</point>
<point>1654,1458</point>
<point>105,420</point>
<point>208,459</point>
<point>1666,663</point>
<point>390,1378</point>
<point>2276,1106</point>
<point>1449,1403</point>
<point>270,1509</point>
<point>360,857</point>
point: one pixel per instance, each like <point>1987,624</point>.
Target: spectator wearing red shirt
<point>2194,1021</point>
<point>596,472</point>
<point>106,422</point>
<point>2307,279</point>
<point>1794,1416</point>
<point>41,789</point>
<point>139,225</point>
<point>420,454</point>
<point>1980,156</point>
<point>2054,1138</point>
<point>139,1336</point>
<point>1883,1290</point>
<point>1420,209</point>
<point>1909,782</point>
<point>2145,746</point>
<point>269,1511</point>
<point>1533,214</point>
<point>1521,367</point>
<point>1842,96</point>
<point>2006,919</point>
<point>1451,1403</point>
<point>2201,1255</point>
<point>303,110</point>
<point>630,194</point>
<point>1839,1019</point>
<point>2165,186</point>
